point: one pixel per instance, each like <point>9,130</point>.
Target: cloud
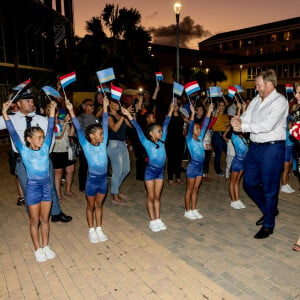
<point>151,16</point>
<point>189,31</point>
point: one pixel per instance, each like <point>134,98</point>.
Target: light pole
<point>177,7</point>
<point>241,68</point>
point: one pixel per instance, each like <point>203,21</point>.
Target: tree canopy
<point>115,39</point>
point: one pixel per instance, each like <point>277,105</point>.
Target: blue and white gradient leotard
<point>196,149</point>
<point>96,157</point>
<point>36,164</point>
<point>156,151</point>
<point>241,149</point>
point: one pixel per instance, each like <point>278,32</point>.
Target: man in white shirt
<point>265,119</point>
<point>22,119</point>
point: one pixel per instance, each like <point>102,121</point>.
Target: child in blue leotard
<point>93,142</point>
<point>237,165</point>
<point>194,171</point>
<point>38,198</point>
<point>154,145</point>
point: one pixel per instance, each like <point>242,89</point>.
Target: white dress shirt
<point>19,122</point>
<point>266,120</point>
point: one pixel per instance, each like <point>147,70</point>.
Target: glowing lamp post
<point>241,68</point>
<point>177,7</point>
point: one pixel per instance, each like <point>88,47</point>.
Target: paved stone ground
<point>212,258</point>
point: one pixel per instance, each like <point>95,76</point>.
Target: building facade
<point>251,50</point>
<point>35,37</point>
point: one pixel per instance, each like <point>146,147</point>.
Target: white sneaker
<point>154,226</point>
<point>40,255</point>
<point>161,224</point>
<point>49,253</point>
<point>93,237</point>
<point>196,214</point>
<point>285,189</point>
<point>241,204</point>
<point>235,204</point>
<point>189,214</point>
<point>101,236</point>
<point>291,189</point>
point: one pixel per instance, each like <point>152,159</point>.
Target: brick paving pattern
<point>212,258</point>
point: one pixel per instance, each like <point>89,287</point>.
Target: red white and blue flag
<point>159,76</point>
<point>106,75</point>
<point>67,79</point>
<point>21,85</point>
<point>289,88</point>
<point>215,91</point>
<point>50,91</point>
<point>191,87</point>
<point>231,91</point>
<point>177,88</point>
<point>116,92</point>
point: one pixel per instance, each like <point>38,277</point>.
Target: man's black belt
<point>269,143</point>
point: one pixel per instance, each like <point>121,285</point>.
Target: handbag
<point>72,152</point>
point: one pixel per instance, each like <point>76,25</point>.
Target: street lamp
<point>241,68</point>
<point>177,7</point>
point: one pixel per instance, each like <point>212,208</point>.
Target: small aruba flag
<point>177,88</point>
<point>116,92</point>
<point>50,91</point>
<point>159,76</point>
<point>106,75</point>
<point>67,79</point>
<point>239,88</point>
<point>215,91</point>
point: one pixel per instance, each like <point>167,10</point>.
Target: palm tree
<point>125,49</point>
<point>120,22</point>
<point>95,28</point>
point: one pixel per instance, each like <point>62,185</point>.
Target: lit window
<point>273,38</point>
<point>287,36</point>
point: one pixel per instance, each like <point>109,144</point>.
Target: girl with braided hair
<point>154,144</point>
<point>93,143</point>
<point>194,171</point>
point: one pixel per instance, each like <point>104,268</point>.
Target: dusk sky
<point>212,16</point>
